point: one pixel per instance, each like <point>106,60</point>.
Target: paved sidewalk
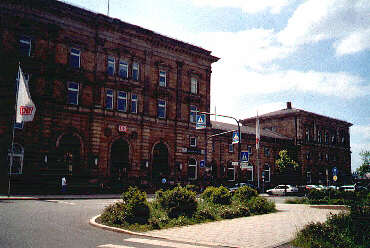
<point>269,230</point>
<point>60,197</point>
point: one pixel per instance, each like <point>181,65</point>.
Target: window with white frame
<point>73,91</point>
<point>111,66</point>
<point>231,148</point>
<point>16,155</point>
<point>25,46</point>
<point>307,135</point>
<point>192,169</point>
<point>74,58</point>
<point>135,71</point>
<point>267,152</point>
<point>194,85</point>
<point>267,174</point>
<point>230,171</point>
<point>308,177</point>
<point>162,78</point>
<point>326,137</point>
<point>123,69</point>
<point>109,99</point>
<point>193,114</point>
<point>249,173</point>
<point>319,136</point>
<point>161,109</point>
<point>122,101</point>
<point>133,103</point>
<point>250,150</point>
<point>193,142</point>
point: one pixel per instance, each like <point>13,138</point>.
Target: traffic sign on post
<point>201,121</point>
<point>335,171</point>
<point>202,164</point>
<point>244,156</point>
<point>235,137</point>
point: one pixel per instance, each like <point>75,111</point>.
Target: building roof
<point>293,112</point>
<point>247,130</point>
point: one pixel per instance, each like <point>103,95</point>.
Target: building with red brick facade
<point>113,100</point>
<point>321,142</point>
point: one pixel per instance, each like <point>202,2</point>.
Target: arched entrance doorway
<point>160,167</point>
<point>119,159</point>
<point>69,153</point>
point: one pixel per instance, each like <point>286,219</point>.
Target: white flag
<point>257,133</point>
<point>25,107</point>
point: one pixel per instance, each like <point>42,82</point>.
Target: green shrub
<point>259,205</point>
<point>136,207</point>
<point>315,194</point>
<point>229,213</point>
<point>114,214</point>
<point>204,214</point>
<point>192,187</point>
<point>244,194</point>
<point>177,202</point>
<point>220,195</point>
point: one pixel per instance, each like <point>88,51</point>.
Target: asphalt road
<point>61,223</point>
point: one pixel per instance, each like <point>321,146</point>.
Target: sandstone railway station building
<point>117,103</point>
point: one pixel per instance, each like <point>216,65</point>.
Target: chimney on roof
<point>289,105</point>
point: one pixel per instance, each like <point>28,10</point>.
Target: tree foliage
<point>284,164</point>
<point>365,166</point>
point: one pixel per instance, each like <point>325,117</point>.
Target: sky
<point>313,53</point>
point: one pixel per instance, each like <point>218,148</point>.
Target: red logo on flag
<point>122,128</point>
<point>25,110</point>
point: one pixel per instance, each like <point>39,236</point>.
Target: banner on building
<point>25,107</point>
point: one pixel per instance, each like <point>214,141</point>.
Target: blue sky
<point>313,53</point>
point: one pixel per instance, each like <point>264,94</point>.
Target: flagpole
<point>11,147</point>
<point>258,147</point>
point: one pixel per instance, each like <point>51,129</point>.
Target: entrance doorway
<point>160,166</point>
<point>69,154</point>
<point>119,159</point>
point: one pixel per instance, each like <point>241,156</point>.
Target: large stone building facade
<point>320,142</point>
<point>113,99</point>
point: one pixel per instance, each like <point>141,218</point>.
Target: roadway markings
<point>153,242</point>
<point>64,202</point>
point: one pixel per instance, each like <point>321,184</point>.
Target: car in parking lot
<point>347,188</point>
<point>238,185</point>
<point>282,190</point>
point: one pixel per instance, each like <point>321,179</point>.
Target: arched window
<point>267,171</point>
<point>192,169</point>
<point>17,164</point>
<point>230,171</point>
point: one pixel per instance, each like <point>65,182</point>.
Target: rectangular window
<point>193,113</point>
<point>73,89</point>
<point>250,150</point>
<point>74,58</point>
<point>123,69</point>
<point>266,173</point>
<point>111,66</point>
<point>319,138</point>
<point>133,103</point>
<point>162,79</point>
<point>193,142</point>
<point>267,152</point>
<point>194,86</point>
<point>25,46</point>
<point>122,101</point>
<point>231,148</point>
<point>161,109</point>
<point>109,99</point>
<point>308,176</point>
<point>18,125</point>
<point>135,71</point>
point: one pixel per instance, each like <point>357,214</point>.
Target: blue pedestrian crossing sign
<point>236,137</point>
<point>202,164</point>
<point>335,171</point>
<point>201,121</point>
<point>244,156</point>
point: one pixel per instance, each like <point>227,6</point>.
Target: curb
<point>93,222</point>
<point>56,197</point>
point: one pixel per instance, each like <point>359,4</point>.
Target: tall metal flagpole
<point>11,147</point>
<point>258,147</point>
<point>108,8</point>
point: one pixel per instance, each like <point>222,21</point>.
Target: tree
<point>287,169</point>
<point>365,166</point>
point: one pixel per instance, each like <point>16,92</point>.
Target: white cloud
<point>347,22</point>
<point>361,130</point>
<point>248,6</point>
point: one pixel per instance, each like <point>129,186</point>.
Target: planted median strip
<point>179,207</point>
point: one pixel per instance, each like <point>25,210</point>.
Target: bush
<point>136,207</point>
<point>315,194</point>
<point>259,205</point>
<point>220,195</point>
<point>114,214</point>
<point>204,214</point>
<point>234,211</point>
<point>192,187</point>
<point>244,194</point>
<point>177,202</point>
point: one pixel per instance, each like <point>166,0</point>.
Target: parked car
<point>238,185</point>
<point>347,188</point>
<point>283,190</point>
<point>333,187</point>
<point>312,186</point>
<point>359,187</point>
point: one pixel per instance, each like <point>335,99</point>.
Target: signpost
<point>236,137</point>
<point>335,174</point>
<point>202,164</point>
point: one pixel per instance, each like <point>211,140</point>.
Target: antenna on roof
<point>215,112</point>
<point>108,9</point>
